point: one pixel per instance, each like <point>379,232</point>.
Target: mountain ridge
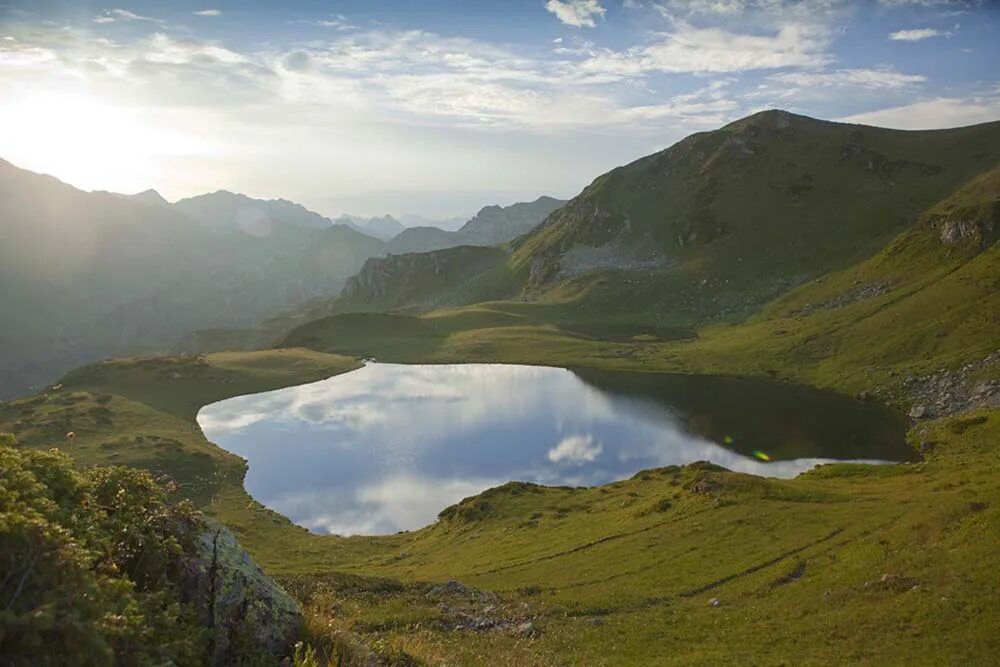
<point>88,275</point>
<point>723,221</point>
<point>230,210</point>
<point>91,274</point>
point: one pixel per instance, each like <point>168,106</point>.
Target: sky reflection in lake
<point>387,447</point>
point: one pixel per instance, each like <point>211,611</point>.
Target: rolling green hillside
<point>416,279</point>
<point>744,212</point>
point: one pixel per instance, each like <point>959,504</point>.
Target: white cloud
<point>208,12</point>
<point>913,35</point>
<point>576,13</point>
<point>112,15</point>
<point>872,79</point>
<point>337,22</point>
<point>713,50</point>
<point>811,9</point>
<point>576,449</point>
<point>932,3</point>
<point>935,113</point>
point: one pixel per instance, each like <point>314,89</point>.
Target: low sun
<point>88,141</point>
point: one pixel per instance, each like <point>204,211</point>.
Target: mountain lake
<point>385,448</point>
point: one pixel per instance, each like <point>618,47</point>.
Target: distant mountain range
<point>86,275</point>
<point>384,228</point>
<point>491,226</point>
<point>448,224</point>
<point>228,211</point>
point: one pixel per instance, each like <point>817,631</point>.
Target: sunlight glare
<point>89,142</point>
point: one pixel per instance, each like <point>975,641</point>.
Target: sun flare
<point>91,142</point>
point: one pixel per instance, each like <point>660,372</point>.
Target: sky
<point>441,107</point>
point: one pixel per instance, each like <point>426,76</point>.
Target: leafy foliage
<point>89,564</point>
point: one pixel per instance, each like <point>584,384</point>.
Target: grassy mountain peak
<point>747,211</point>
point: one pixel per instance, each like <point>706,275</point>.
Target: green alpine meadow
<point>606,333</point>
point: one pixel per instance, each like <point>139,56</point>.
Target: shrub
<point>88,565</point>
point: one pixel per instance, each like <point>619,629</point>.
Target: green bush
<point>90,565</point>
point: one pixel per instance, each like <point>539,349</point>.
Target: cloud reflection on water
<point>387,447</point>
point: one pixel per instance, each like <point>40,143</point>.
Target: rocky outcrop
<point>973,225</point>
<point>950,392</point>
<point>859,292</point>
<point>617,255</point>
<point>978,232</point>
<point>247,614</point>
<point>463,608</point>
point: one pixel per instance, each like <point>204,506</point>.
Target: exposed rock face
<point>975,226</point>
<point>950,392</point>
<point>617,255</point>
<point>246,612</point>
<point>979,232</point>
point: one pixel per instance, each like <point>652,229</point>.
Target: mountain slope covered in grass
<point>758,205</point>
<point>724,221</point>
<point>415,279</point>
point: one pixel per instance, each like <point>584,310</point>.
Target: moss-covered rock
<point>246,612</point>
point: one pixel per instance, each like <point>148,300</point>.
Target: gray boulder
<point>248,615</point>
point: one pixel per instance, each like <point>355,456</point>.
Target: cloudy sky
<point>439,107</point>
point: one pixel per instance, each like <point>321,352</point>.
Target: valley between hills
<point>853,259</point>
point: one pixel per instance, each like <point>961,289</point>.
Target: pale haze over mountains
<point>90,275</point>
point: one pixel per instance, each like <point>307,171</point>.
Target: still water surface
<point>387,447</point>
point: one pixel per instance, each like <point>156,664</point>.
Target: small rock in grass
<point>527,628</point>
<point>714,602</point>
